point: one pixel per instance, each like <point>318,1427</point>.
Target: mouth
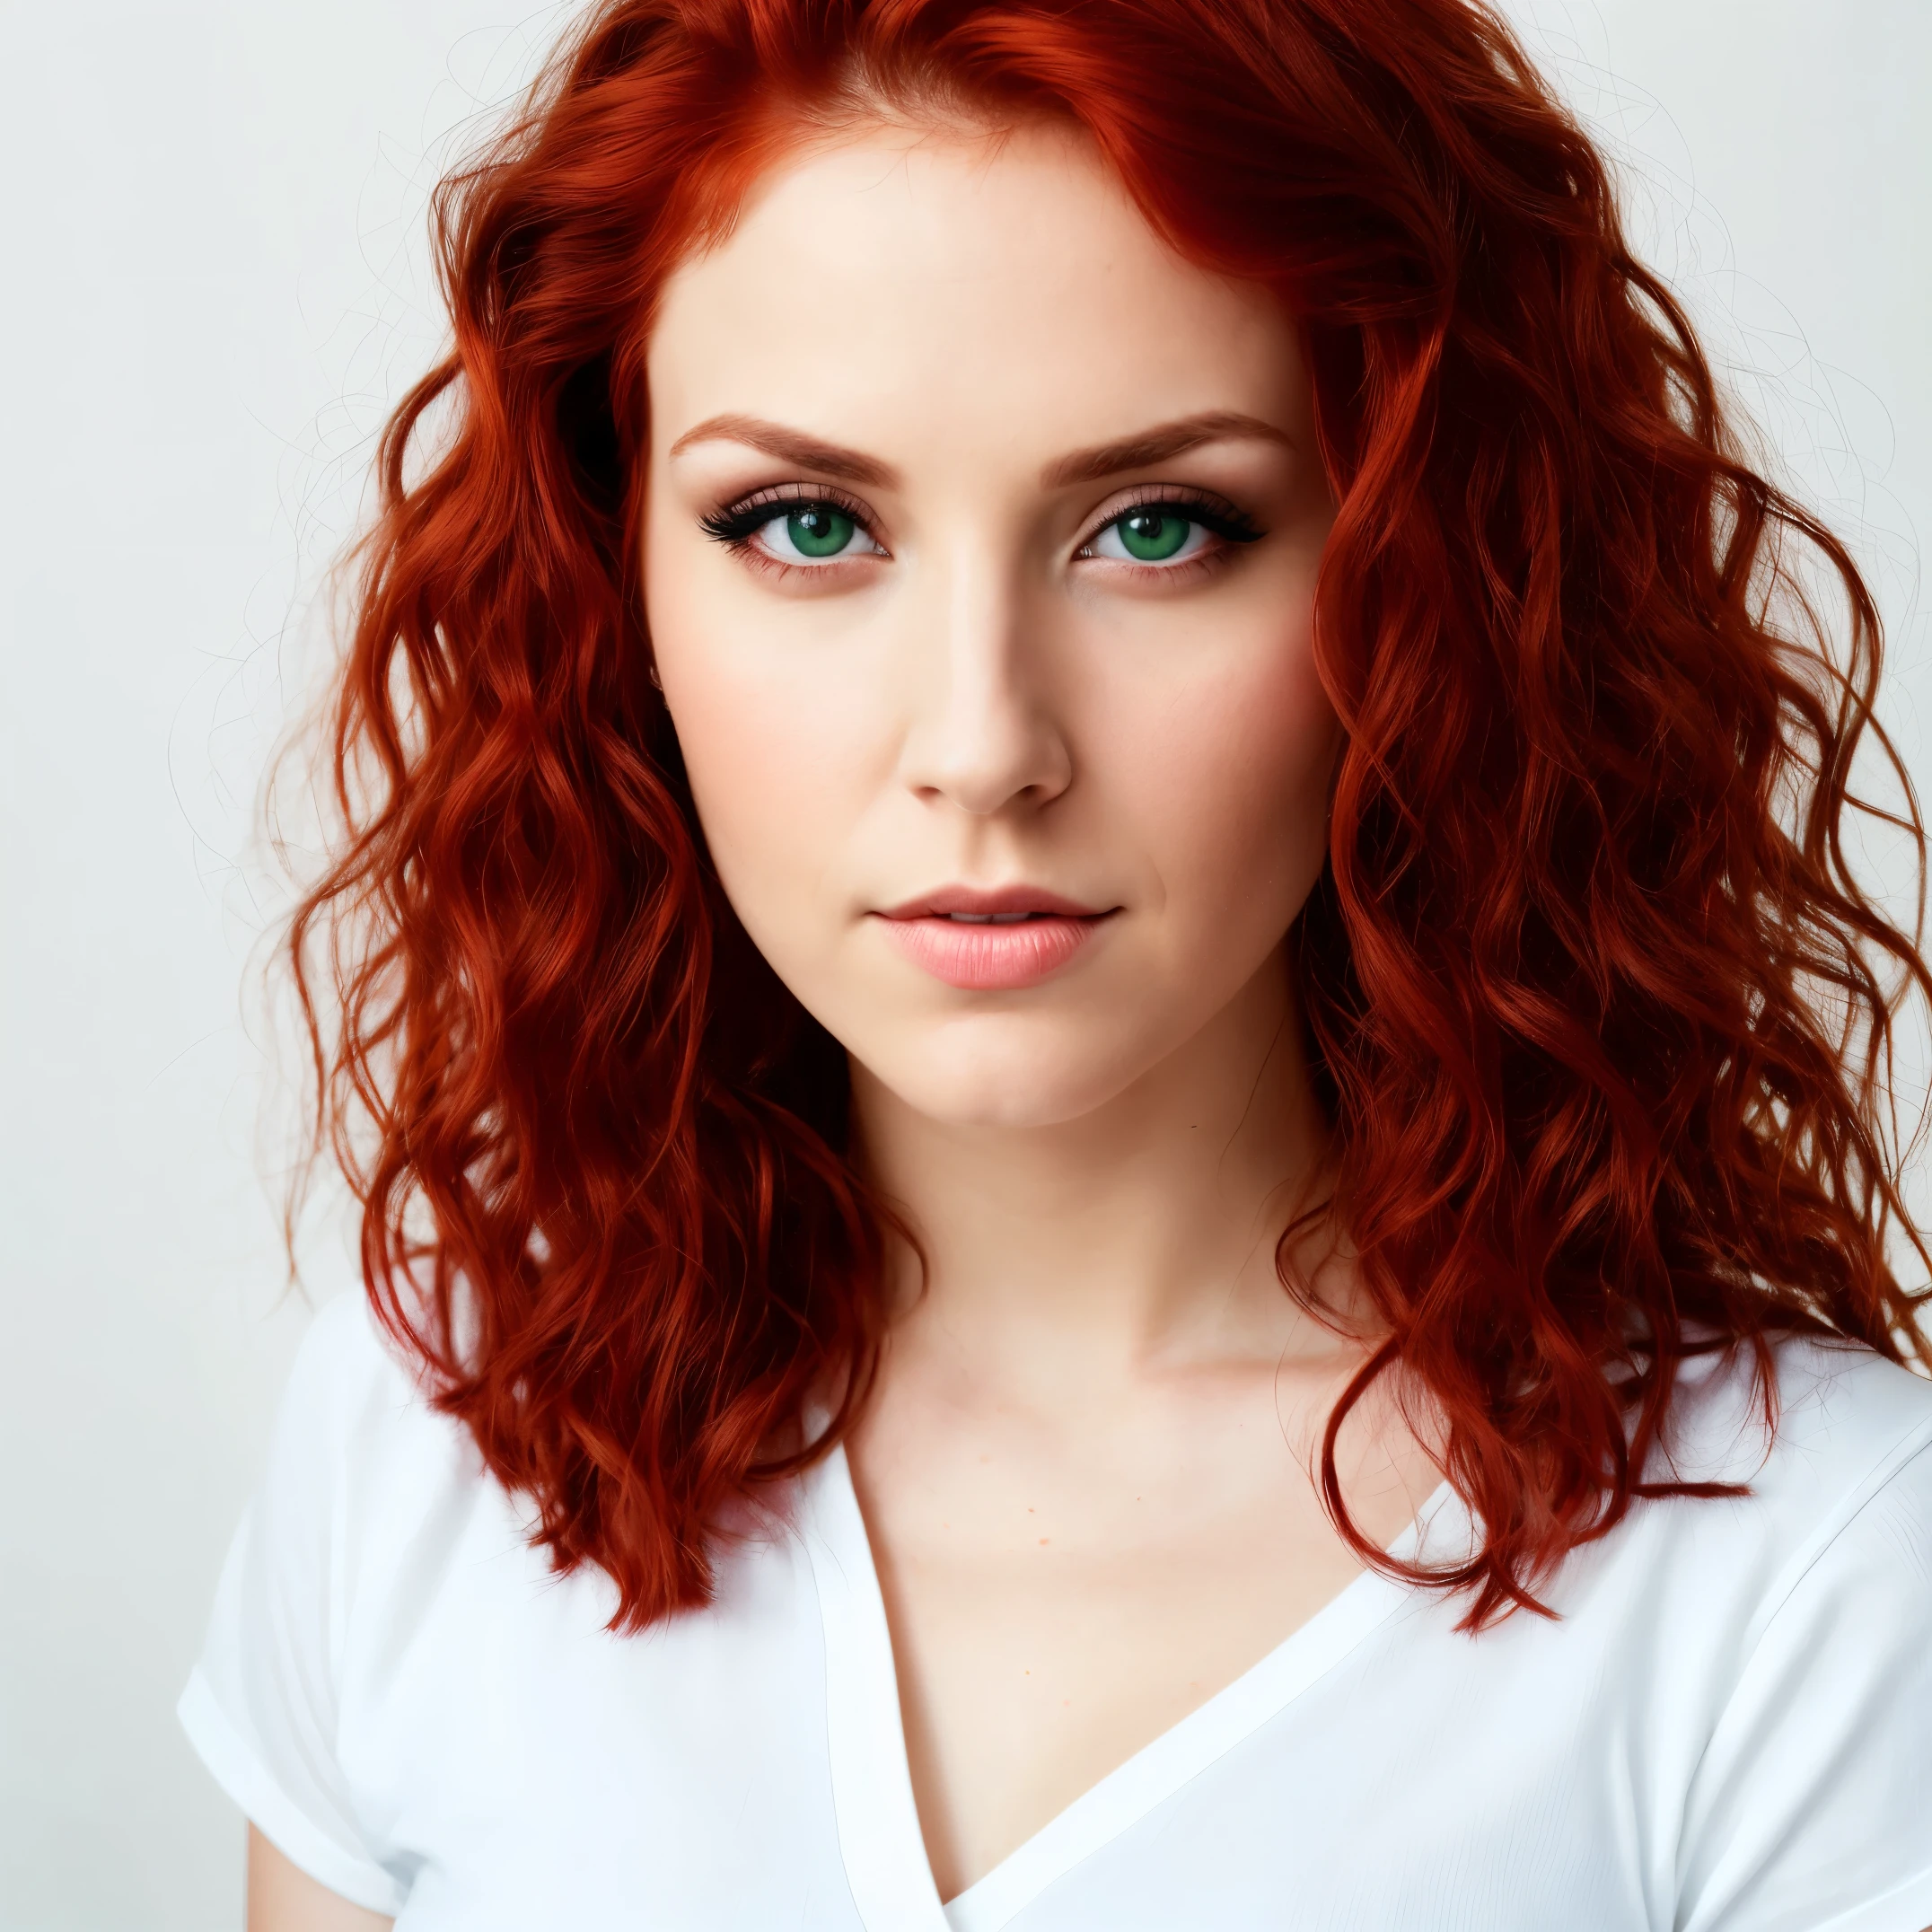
<point>992,940</point>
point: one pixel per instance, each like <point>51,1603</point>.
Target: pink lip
<point>1039,933</point>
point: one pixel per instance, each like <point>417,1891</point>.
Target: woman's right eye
<point>796,531</point>
<point>816,533</point>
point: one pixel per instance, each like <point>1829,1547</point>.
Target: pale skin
<point>1085,1469</point>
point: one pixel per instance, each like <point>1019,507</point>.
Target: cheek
<point>772,768</point>
<point>1229,790</point>
<point>778,754</point>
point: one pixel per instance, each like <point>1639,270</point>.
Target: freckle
<point>1044,1540</point>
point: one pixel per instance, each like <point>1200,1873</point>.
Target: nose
<point>983,736</point>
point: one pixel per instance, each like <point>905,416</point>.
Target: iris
<point>816,529</point>
<point>1152,536</point>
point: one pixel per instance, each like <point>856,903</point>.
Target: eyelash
<point>735,525</point>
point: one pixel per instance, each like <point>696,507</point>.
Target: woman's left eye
<point>1167,534</point>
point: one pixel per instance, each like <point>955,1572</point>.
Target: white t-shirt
<point>1728,1730</point>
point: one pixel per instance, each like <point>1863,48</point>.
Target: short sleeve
<point>1812,1809</point>
<point>261,1706</point>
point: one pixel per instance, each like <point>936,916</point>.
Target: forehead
<point>898,286</point>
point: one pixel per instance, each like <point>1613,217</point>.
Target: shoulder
<point>361,1470</point>
<point>1841,1423</point>
<point>361,1459</point>
<point>1811,1598</point>
<point>345,1364</point>
<point>1849,1473</point>
<point>351,1390</point>
<point>1827,1509</point>
<point>1844,1396</point>
<point>1809,1462</point>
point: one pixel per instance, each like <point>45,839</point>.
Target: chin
<point>1007,1071</point>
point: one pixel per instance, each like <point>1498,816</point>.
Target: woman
<point>1117,1097</point>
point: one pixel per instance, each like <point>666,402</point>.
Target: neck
<point>1143,1233</point>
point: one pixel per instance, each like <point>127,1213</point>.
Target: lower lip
<point>985,958</point>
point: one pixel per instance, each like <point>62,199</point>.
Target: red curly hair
<point>1600,1016</point>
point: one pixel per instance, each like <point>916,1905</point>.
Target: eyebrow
<point>1145,446</point>
<point>1155,445</point>
<point>793,446</point>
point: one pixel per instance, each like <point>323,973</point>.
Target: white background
<point>211,284</point>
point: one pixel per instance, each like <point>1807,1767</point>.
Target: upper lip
<point>1003,899</point>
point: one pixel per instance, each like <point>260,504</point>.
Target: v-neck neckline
<point>878,1818</point>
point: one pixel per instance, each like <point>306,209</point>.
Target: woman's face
<point>981,545</point>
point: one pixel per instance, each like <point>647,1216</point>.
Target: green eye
<point>1153,536</point>
<point>816,529</point>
